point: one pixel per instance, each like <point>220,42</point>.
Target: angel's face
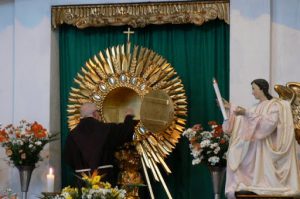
<point>257,92</point>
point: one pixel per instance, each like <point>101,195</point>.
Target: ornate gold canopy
<point>140,14</point>
<point>123,77</point>
<point>291,92</point>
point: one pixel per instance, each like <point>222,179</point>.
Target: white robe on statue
<point>262,155</point>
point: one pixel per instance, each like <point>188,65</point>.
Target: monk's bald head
<point>88,110</point>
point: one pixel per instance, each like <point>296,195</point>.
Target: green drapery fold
<point>198,53</point>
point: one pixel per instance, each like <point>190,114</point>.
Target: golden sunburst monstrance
<point>140,79</point>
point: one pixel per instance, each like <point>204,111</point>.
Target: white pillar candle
<point>50,181</point>
<point>218,94</point>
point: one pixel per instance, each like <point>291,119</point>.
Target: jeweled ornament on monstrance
<point>137,77</point>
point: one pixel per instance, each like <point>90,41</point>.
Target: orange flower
<point>197,146</point>
<point>219,129</point>
<point>36,127</point>
<point>194,140</point>
<point>222,141</point>
<point>3,133</point>
<point>40,134</point>
<point>216,134</point>
<point>211,123</point>
<point>18,135</point>
<point>3,136</point>
<point>38,130</point>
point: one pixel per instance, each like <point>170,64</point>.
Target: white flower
<point>122,193</point>
<point>65,194</point>
<point>38,143</point>
<point>189,133</point>
<point>216,151</point>
<point>196,153</point>
<point>213,160</point>
<point>30,146</point>
<point>205,143</point>
<point>196,161</point>
<point>214,145</point>
<point>207,146</point>
<point>20,142</point>
<point>102,193</point>
<point>206,135</point>
<point>59,197</point>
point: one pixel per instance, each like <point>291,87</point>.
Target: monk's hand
<point>240,111</point>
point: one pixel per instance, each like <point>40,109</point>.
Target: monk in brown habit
<point>92,143</point>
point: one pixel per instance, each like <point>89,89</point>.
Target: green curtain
<point>198,53</point>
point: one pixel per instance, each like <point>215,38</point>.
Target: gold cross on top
<point>128,32</point>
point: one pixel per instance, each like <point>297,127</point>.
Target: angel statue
<point>262,155</point>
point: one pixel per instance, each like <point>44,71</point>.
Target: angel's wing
<point>291,92</point>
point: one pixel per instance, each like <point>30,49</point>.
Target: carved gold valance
<point>140,14</point>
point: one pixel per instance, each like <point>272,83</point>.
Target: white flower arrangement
<point>104,193</point>
<point>208,147</point>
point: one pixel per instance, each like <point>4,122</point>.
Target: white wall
<point>285,39</point>
<point>264,40</point>
<point>6,60</point>
<point>249,47</point>
<point>6,77</point>
<point>264,43</point>
<point>25,76</point>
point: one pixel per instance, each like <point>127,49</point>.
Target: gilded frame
<point>140,14</point>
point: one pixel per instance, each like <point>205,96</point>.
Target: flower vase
<point>25,175</point>
<point>217,175</point>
